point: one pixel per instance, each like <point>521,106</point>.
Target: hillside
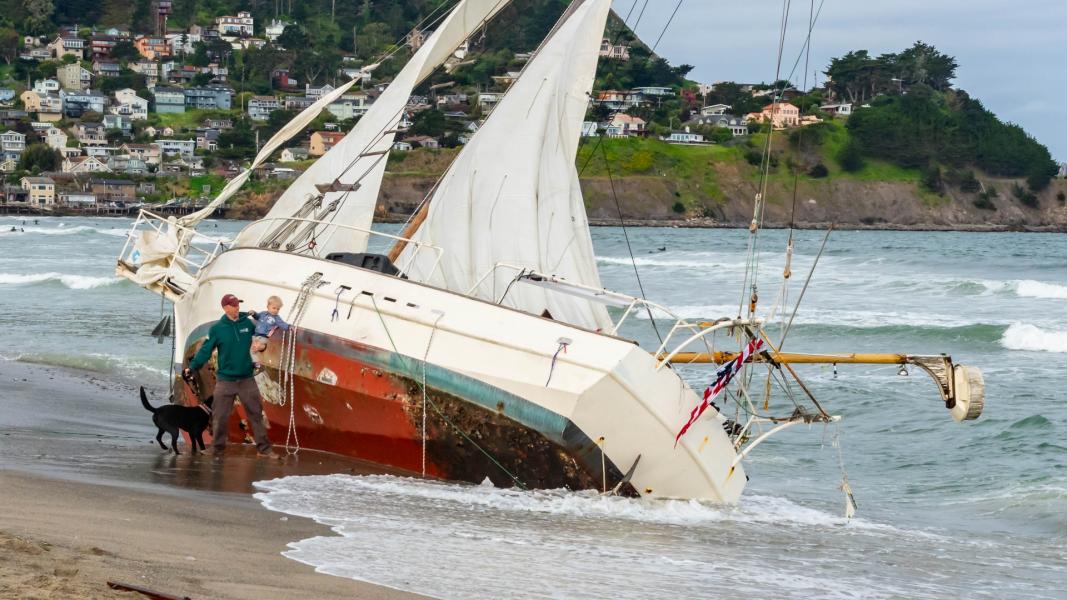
<point>887,141</point>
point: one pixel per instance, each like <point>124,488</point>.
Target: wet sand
<point>88,497</point>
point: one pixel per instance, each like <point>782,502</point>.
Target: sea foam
<point>1023,336</point>
<point>74,282</point>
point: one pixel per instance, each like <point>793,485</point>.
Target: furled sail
<point>342,186</point>
<point>512,195</point>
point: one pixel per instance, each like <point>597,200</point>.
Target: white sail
<point>293,127</point>
<point>512,194</point>
<point>355,166</point>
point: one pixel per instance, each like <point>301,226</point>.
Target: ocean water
<point>974,510</point>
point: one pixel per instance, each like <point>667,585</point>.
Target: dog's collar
<point>205,408</point>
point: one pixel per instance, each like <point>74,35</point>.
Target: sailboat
<point>481,346</point>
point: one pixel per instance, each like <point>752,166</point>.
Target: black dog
<point>172,417</point>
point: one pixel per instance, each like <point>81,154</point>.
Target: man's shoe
<point>268,454</point>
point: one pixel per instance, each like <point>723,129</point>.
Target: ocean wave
<point>74,282</point>
<point>582,504</point>
<point>1038,289</point>
<point>858,319</point>
<point>93,361</point>
<point>1024,336</point>
<point>61,230</point>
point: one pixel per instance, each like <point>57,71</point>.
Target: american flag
<point>722,378</point>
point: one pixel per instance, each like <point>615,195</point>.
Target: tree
<point>39,157</point>
<point>125,50</point>
<point>38,15</point>
<point>293,38</point>
<point>10,43</point>
<point>850,158</point>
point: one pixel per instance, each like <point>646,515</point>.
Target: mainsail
<point>349,175</point>
<point>512,195</point>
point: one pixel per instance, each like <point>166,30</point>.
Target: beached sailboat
<point>482,345</point>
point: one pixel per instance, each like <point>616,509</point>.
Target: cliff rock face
<point>846,203</point>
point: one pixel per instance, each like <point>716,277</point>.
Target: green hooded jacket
<point>233,339</point>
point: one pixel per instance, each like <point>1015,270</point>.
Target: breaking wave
<point>74,282</point>
<point>94,361</point>
<point>1037,289</point>
<point>1023,336</point>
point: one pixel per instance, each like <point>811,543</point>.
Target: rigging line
<point>811,272</point>
<point>752,262</point>
<point>433,404</point>
<point>803,49</point>
<point>800,144</point>
<point>626,236</point>
<point>676,7</point>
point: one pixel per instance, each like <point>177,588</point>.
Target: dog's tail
<point>144,401</point>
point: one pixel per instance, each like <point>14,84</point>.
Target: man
<point>232,337</point>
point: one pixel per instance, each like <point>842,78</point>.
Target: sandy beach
<point>89,498</point>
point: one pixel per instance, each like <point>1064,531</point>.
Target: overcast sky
<point>1012,55</point>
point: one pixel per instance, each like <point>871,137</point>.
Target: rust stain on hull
<point>367,410</point>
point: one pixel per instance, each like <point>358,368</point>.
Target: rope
<point>552,366</point>
<point>288,362</point>
<point>433,405</point>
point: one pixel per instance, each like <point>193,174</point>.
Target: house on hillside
<point>260,107</point>
<point>101,44</point>
<point>684,137</point>
<point>67,44</point>
<point>616,51</point>
<point>183,148</point>
<point>401,146</point>
<point>46,86</point>
<point>148,68</point>
<point>242,25</point>
<point>119,122</point>
<point>42,190</point>
<point>129,104</point>
<point>317,92</point>
<point>12,143</point>
<point>843,109</point>
<point>152,47</point>
<point>624,125</point>
<point>423,141</point>
<point>74,77</point>
<point>89,134</point>
<point>736,125</point>
<point>170,100</point>
<point>294,154</point>
<point>84,164</point>
<point>322,141</point>
<point>781,115</point>
<point>55,138</point>
<point>114,190</point>
<point>149,153</point>
<point>106,68</point>
<point>616,100</point>
<point>348,106</point>
<point>76,104</point>
<point>209,97</point>
<point>714,109</point>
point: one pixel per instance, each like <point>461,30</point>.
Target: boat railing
<point>259,241</point>
<point>192,249</point>
<point>630,305</point>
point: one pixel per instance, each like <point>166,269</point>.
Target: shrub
<point>754,157</point>
<point>818,171</point>
<point>931,179</point>
<point>969,183</point>
<point>983,202</point>
<point>1061,197</point>
<point>1025,196</point>
<point>678,207</point>
<point>850,158</point>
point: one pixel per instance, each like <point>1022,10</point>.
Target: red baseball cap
<point>231,300</point>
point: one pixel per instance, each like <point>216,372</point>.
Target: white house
<point>129,104</point>
<point>260,107</point>
<point>714,109</point>
<point>294,154</point>
<point>240,26</point>
<point>275,29</point>
<point>84,164</point>
<point>55,138</point>
<point>623,125</point>
<point>843,109</point>
<point>183,148</point>
<point>46,86</point>
<point>401,146</point>
<point>684,137</point>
